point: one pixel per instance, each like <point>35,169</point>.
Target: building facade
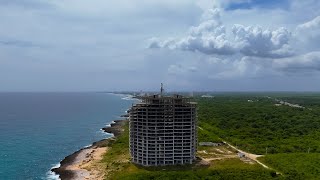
<point>163,131</point>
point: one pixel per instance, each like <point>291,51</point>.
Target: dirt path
<point>251,156</point>
<point>219,158</point>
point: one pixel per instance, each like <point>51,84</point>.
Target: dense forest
<point>295,165</point>
<point>256,124</point>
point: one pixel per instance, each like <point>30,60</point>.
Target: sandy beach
<point>85,164</point>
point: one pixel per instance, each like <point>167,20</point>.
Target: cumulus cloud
<point>219,68</point>
<point>309,62</point>
<point>254,41</point>
<point>268,51</point>
<point>312,25</point>
<point>208,37</point>
<point>211,37</point>
<point>308,33</point>
<point>90,43</point>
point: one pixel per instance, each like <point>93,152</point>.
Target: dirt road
<point>249,155</point>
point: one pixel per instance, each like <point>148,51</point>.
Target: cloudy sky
<point>218,45</point>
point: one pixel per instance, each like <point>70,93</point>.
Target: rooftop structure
<point>163,130</point>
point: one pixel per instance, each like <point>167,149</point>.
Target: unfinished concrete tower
<point>163,130</point>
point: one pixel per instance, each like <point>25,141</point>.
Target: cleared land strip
<point>219,158</point>
<point>251,156</point>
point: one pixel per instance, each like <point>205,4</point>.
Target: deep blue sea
<point>37,130</point>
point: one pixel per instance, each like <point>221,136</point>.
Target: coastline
<point>84,163</point>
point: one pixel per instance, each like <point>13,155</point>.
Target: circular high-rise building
<point>163,131</point>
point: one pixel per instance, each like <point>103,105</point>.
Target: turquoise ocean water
<point>37,130</point>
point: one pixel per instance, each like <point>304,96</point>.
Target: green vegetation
<point>295,165</point>
<point>305,99</point>
<point>206,135</point>
<point>254,125</point>
<point>117,157</point>
<point>118,166</point>
<point>258,124</point>
<point>224,169</point>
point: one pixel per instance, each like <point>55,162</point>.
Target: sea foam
<point>52,175</point>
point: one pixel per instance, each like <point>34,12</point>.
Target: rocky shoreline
<point>67,168</point>
<point>115,128</point>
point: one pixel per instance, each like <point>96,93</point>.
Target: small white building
<point>241,155</point>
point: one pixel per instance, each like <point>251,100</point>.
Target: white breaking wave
<point>108,125</point>
<point>52,175</point>
<point>105,133</point>
<point>128,97</point>
<point>87,146</point>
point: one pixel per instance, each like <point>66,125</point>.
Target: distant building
<point>163,130</point>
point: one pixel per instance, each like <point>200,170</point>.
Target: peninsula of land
<point>85,163</point>
<point>240,137</point>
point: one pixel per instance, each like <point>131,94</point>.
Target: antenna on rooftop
<point>161,89</point>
